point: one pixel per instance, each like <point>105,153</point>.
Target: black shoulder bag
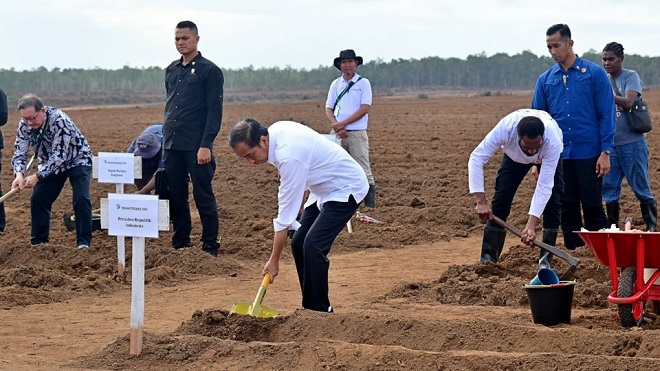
<point>639,116</point>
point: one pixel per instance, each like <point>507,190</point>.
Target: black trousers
<point>310,246</point>
<point>46,192</point>
<point>582,187</point>
<point>181,166</point>
<point>509,176</point>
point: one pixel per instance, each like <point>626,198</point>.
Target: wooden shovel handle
<point>573,261</point>
<point>14,190</point>
<point>8,194</point>
<point>266,280</point>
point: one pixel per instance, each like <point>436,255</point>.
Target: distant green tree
<point>479,71</point>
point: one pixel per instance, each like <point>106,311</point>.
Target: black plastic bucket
<point>551,304</point>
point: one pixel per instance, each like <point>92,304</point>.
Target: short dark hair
<point>530,127</point>
<point>188,24</point>
<point>30,100</point>
<point>248,131</point>
<point>562,28</point>
<point>615,48</point>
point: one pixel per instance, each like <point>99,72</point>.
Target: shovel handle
<point>573,261</point>
<point>28,168</point>
<point>266,280</point>
<point>8,194</point>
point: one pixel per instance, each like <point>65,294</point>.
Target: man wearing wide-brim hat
<point>347,108</point>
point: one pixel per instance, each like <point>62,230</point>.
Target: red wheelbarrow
<point>628,254</point>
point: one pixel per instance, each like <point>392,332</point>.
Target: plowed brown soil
<point>408,293</point>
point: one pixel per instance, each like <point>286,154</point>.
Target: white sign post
<point>118,168</point>
<point>138,216</point>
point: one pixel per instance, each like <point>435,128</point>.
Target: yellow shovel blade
<point>255,309</point>
<point>240,307</point>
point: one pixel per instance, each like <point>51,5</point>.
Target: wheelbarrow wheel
<point>630,315</point>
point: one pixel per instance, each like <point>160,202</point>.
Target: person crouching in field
<point>63,153</point>
<point>306,161</point>
<point>148,145</point>
<point>527,137</point>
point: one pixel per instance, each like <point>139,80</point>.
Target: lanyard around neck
<point>346,89</point>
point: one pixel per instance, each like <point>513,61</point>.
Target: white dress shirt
<point>359,94</point>
<point>505,136</point>
<point>306,160</point>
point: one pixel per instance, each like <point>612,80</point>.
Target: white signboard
<point>116,168</point>
<point>132,215</point>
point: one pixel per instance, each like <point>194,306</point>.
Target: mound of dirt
<point>501,284</point>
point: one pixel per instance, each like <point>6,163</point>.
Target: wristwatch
<point>40,177</point>
<point>607,152</point>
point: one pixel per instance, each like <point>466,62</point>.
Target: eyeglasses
<point>31,119</point>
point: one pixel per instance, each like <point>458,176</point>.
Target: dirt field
<point>408,293</point>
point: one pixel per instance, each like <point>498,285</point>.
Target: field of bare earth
<point>409,293</point>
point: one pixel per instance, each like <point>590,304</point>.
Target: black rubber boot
<point>545,257</point>
<point>370,198</point>
<point>650,215</point>
<point>612,209</point>
<point>492,244</point>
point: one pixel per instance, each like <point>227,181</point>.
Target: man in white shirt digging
<point>528,138</point>
<point>306,161</point>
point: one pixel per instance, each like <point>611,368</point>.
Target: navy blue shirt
<point>580,99</point>
<point>193,110</point>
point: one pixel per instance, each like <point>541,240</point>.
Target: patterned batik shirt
<point>62,145</point>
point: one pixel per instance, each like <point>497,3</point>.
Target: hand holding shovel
<point>573,261</point>
<point>18,187</point>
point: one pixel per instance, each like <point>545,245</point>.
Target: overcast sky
<point>308,33</point>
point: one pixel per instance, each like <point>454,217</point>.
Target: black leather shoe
<point>183,246</point>
<point>211,248</point>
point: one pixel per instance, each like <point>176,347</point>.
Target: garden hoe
<point>573,261</point>
<point>255,309</point>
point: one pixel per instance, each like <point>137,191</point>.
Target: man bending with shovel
<point>528,137</point>
<point>63,154</point>
<point>305,160</point>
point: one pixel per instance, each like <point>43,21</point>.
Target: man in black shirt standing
<point>193,114</point>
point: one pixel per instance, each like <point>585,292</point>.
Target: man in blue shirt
<point>578,95</point>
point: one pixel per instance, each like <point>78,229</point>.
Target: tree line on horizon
<point>477,72</point>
